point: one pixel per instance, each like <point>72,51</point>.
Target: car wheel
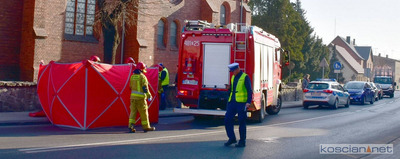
<point>274,109</point>
<point>347,103</point>
<point>372,101</point>
<point>335,105</point>
<point>363,100</point>
<point>259,115</point>
<point>392,95</point>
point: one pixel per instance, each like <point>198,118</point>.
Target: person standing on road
<point>306,81</point>
<point>164,80</point>
<point>139,93</point>
<point>240,98</point>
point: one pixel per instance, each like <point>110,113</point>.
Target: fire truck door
<point>215,64</point>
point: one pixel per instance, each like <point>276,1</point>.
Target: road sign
<point>336,71</point>
<point>337,65</point>
<point>323,63</point>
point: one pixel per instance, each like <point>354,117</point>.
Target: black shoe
<point>241,144</point>
<point>149,129</point>
<point>132,130</point>
<point>230,142</point>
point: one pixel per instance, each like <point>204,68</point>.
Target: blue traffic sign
<point>337,65</point>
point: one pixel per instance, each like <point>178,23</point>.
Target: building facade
<point>34,30</point>
<point>157,35</point>
<point>62,31</point>
<point>385,66</point>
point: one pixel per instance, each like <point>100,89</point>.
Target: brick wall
<point>186,10</point>
<point>10,38</point>
<point>18,96</point>
<point>49,16</point>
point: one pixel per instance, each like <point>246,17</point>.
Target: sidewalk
<point>23,118</point>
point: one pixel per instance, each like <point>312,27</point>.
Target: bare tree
<point>109,19</point>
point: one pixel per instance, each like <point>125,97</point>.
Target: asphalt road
<point>294,133</point>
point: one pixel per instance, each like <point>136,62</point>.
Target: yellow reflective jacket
<point>136,84</point>
<point>241,91</point>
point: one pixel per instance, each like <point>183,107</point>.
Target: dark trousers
<point>233,109</point>
<point>163,99</point>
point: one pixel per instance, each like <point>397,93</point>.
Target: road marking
<point>136,141</point>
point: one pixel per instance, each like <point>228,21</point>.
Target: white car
<point>329,93</point>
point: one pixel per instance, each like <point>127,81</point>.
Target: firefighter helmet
<point>141,66</point>
<point>129,60</point>
<point>160,68</point>
<point>95,58</point>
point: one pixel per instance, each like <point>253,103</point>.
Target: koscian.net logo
<point>356,148</point>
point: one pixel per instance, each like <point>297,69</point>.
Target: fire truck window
<point>160,34</point>
<point>222,15</point>
<point>172,32</point>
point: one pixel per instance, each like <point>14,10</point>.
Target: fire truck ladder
<point>240,45</point>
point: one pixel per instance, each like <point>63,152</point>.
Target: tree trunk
<point>115,45</point>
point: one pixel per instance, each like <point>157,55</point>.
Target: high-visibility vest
<point>136,86</point>
<point>241,91</point>
<point>166,79</point>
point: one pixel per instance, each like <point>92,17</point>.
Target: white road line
<point>136,141</point>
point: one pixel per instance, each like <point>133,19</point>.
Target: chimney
<point>354,42</point>
<point>379,54</point>
<point>348,39</point>
<point>387,56</point>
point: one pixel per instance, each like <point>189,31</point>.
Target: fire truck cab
<point>205,52</point>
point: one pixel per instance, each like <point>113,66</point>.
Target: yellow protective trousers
<point>139,105</point>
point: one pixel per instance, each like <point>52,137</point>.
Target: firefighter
<point>140,91</point>
<point>239,100</point>
<point>164,80</point>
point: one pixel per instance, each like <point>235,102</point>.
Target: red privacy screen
<point>87,95</point>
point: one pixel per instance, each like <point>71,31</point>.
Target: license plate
<point>315,93</point>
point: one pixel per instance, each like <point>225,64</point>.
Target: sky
<point>374,23</point>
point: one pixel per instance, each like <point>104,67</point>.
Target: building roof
<point>349,59</point>
<point>351,47</point>
<point>364,51</point>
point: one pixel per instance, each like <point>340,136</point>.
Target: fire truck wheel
<point>274,109</point>
<point>259,115</point>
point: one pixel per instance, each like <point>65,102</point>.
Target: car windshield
<point>318,86</point>
<point>383,80</point>
<point>354,86</point>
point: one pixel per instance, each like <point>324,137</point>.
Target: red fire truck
<point>205,52</point>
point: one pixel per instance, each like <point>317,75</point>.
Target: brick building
<point>34,30</point>
<point>157,35</point>
<point>62,31</point>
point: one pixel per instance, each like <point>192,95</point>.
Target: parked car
<point>360,91</point>
<point>380,91</point>
<point>327,93</point>
<point>375,90</point>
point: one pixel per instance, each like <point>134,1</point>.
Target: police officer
<point>164,80</point>
<point>140,91</point>
<point>239,100</point>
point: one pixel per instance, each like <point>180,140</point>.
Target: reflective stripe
<point>136,92</point>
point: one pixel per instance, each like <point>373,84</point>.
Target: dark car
<point>380,91</point>
<point>360,92</point>
<point>375,90</point>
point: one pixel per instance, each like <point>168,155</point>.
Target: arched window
<point>173,33</point>
<point>222,16</point>
<point>161,34</point>
<point>79,17</point>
